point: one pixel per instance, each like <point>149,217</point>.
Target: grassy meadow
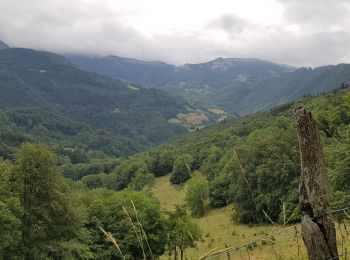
<point>219,231</point>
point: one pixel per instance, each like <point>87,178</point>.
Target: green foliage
<point>160,162</point>
<point>140,180</point>
<point>182,231</point>
<point>340,200</point>
<point>72,140</point>
<point>252,162</point>
<point>44,216</point>
<point>106,209</point>
<point>182,169</point>
<point>125,171</point>
<point>210,163</point>
<point>95,180</point>
<point>219,191</point>
<point>77,171</point>
<point>262,173</point>
<point>269,159</point>
<point>49,220</point>
<point>197,193</point>
<point>10,214</point>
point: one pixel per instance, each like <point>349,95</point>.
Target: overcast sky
<point>295,32</point>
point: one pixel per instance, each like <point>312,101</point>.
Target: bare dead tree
<point>319,233</point>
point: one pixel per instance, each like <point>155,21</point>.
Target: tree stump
<point>314,192</point>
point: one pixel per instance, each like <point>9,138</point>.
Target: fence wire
<point>235,249</point>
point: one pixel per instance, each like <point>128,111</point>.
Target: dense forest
<point>251,163</point>
<point>43,98</point>
<point>44,216</point>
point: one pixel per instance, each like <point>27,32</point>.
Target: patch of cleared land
<point>191,121</point>
<point>131,87</point>
<point>217,111</point>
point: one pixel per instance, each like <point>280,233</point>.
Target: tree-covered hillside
<point>251,162</point>
<point>238,86</point>
<point>43,97</point>
<point>44,216</point>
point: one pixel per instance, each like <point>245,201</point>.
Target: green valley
<point>247,171</point>
<point>86,143</point>
<point>43,98</point>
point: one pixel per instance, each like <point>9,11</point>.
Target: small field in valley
<point>219,231</point>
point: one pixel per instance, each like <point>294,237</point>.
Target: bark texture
<point>314,192</point>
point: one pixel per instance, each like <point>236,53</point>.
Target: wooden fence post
<point>227,254</point>
<point>318,230</point>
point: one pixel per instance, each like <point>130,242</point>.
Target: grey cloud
<point>230,23</point>
<point>317,14</point>
<point>307,50</point>
<point>59,26</point>
<point>283,46</point>
<point>95,28</point>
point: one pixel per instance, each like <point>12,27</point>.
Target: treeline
<point>45,216</point>
<point>252,162</point>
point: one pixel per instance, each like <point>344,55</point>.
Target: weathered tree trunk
<point>314,193</point>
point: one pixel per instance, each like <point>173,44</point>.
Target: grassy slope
<point>218,231</point>
<point>168,195</point>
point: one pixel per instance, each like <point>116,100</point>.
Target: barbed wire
<point>336,257</point>
<point>234,249</point>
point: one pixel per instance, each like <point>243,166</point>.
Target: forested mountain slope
<point>251,162</point>
<point>238,86</point>
<point>43,96</point>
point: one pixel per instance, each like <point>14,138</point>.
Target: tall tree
<point>48,219</point>
<point>10,214</point>
<point>182,169</point>
<point>133,218</point>
<point>160,162</point>
<point>197,194</point>
<point>182,232</point>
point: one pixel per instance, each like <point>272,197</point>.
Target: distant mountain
<point>226,83</point>
<point>238,86</point>
<point>138,72</point>
<point>242,86</point>
<point>33,59</point>
<point>3,45</point>
<point>46,87</point>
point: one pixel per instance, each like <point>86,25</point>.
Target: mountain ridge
<point>3,45</point>
<point>237,85</point>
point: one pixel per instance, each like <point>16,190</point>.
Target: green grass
<point>219,231</point>
<point>168,195</point>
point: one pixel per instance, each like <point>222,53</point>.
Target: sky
<point>295,32</point>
